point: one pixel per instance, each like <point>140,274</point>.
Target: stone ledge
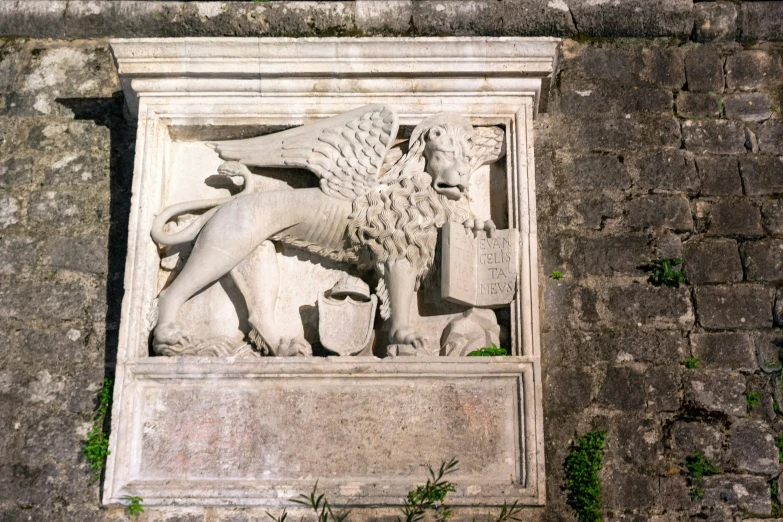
<point>139,18</point>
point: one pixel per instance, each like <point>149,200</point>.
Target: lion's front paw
<point>293,347</point>
<point>408,336</point>
<point>475,226</point>
<point>167,334</point>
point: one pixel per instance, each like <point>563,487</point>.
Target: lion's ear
<point>489,145</point>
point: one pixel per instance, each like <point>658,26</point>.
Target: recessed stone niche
<point>223,422</point>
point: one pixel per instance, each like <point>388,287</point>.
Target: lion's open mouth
<point>450,191</point>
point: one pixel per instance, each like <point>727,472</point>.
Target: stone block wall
<point>650,148</point>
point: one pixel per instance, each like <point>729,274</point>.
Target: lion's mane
<point>400,218</point>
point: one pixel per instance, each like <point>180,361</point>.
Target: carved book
<point>479,270</point>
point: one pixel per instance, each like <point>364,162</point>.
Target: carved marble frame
<point>194,82</point>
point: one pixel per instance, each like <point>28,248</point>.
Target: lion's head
<point>427,187</point>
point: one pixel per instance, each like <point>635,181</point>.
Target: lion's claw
<point>410,337</point>
<point>475,226</point>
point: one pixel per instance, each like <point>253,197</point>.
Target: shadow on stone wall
<point>112,114</point>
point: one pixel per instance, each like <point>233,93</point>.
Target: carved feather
<point>489,145</point>
<point>346,151</point>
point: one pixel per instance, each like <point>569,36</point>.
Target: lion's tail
<point>189,233</point>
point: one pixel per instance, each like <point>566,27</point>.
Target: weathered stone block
<point>455,18</point>
<point>607,63</point>
<point>33,19</point>
<point>384,17</point>
<point>773,216</point>
<point>622,133</point>
<point>660,347</point>
<point>674,495</point>
<point>568,389</point>
<point>42,300</point>
<point>734,306</point>
<point>753,447</point>
<point>672,212</point>
<point>594,209</point>
<point>9,211</point>
<point>623,389</point>
<point>712,261</point>
<point>733,217</point>
<point>606,256</point>
<point>719,176</point>
<point>663,67</point>
<point>770,137</point>
<point>750,70</point>
<point>662,384</point>
<point>73,169</point>
<point>769,346</point>
<point>639,442</point>
<point>748,106</point>
<point>704,69</point>
<point>688,438</point>
<point>697,105</point>
<point>762,175</point>
<point>645,304</point>
<point>528,18</point>
<point>633,17</point>
<point>597,172</point>
<point>16,171</point>
<point>55,208</point>
<point>745,492</point>
<point>763,260</point>
<point>667,245</point>
<point>668,170</point>
<point>714,21</point>
<point>761,20</point>
<point>83,254</point>
<point>17,254</point>
<point>714,136</point>
<point>716,390</point>
<point>628,490</point>
<point>726,350</point>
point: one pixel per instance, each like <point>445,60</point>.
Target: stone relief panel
<point>228,283</point>
<point>307,215</point>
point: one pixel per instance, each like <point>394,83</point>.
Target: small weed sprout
<point>582,481</point>
<point>134,506</point>
<point>697,493</point>
<point>663,272</point>
<point>752,399</point>
<point>691,363</point>
<point>699,466</point>
<point>488,351</point>
<point>431,495</point>
<point>96,449</point>
<point>556,275</point>
<point>779,444</point>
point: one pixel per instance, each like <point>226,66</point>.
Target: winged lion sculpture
<point>370,209</point>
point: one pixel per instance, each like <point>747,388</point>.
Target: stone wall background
<point>651,147</point>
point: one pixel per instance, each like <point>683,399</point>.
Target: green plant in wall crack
<point>665,272</point>
<point>488,351</point>
<point>752,399</point>
<point>134,506</point>
<point>582,481</point>
<point>698,467</point>
<point>691,363</point>
<point>96,449</point>
<point>556,275</point>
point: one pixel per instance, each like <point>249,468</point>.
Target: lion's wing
<point>345,151</point>
<point>489,145</point>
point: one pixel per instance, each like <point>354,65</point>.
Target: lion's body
<point>390,222</point>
